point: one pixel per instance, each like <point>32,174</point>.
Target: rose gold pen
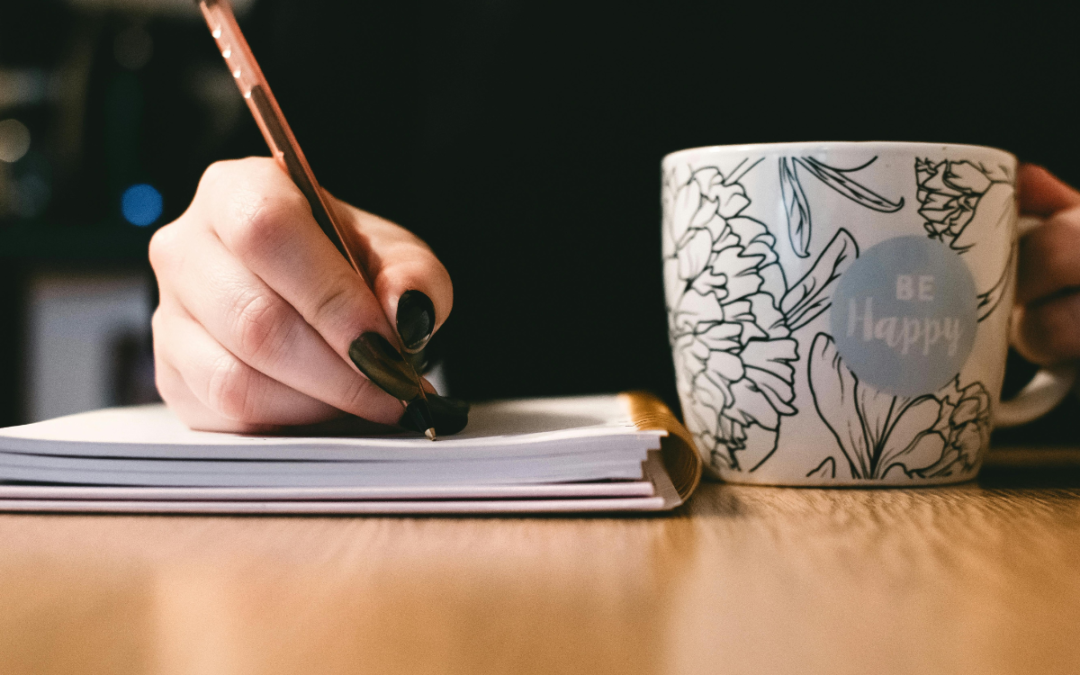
<point>275,130</point>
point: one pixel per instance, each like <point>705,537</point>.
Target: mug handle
<point>1047,388</point>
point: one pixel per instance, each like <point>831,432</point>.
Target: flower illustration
<point>797,208</point>
<point>732,345</point>
<point>949,193</point>
<point>964,203</point>
<point>965,428</point>
<point>930,436</point>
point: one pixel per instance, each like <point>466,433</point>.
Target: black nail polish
<point>415,320</point>
<point>381,363</point>
<point>418,417</point>
<point>448,415</point>
<point>418,360</point>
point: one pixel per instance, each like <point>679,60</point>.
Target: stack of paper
<point>576,454</point>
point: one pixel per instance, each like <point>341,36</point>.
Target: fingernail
<point>418,360</point>
<point>415,320</point>
<point>448,415</point>
<point>418,416</point>
<point>381,363</point>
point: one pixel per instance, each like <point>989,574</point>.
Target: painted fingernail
<point>415,320</point>
<point>418,417</point>
<point>449,415</point>
<point>381,363</point>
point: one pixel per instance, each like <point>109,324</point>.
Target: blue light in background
<point>141,204</point>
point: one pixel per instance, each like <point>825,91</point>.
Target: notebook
<point>623,452</point>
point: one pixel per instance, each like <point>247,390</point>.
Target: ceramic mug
<point>838,312</point>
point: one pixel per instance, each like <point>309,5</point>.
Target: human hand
<point>258,309</point>
<point>1046,318</point>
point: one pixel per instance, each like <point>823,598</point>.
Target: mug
<point>838,312</point>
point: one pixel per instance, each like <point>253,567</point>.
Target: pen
<point>283,146</point>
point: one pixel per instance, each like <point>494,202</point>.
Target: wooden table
<point>978,578</point>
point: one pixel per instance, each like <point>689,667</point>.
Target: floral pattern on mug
<point>731,314</point>
<point>964,203</point>
<point>732,346</point>
<point>931,436</point>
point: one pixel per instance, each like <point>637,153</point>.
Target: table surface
<point>977,578</point>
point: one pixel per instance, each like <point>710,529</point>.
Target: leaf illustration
<point>796,208</point>
<point>736,174</point>
<point>910,442</point>
<point>810,296</point>
<point>989,300</point>
<point>827,469</point>
<point>835,391</point>
<point>932,434</point>
<point>856,192</point>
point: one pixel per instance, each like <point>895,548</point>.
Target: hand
<point>1046,319</point>
<point>258,308</point>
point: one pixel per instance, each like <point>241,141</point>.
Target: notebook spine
<point>680,455</point>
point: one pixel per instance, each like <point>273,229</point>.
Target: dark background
<point>522,140</point>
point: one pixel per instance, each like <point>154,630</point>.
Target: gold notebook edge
<point>680,457</point>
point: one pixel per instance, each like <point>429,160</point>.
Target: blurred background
<point>111,109</point>
<point>109,112</point>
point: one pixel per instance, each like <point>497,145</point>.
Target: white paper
<point>605,489</point>
<point>656,494</point>
<point>528,427</point>
<point>525,442</point>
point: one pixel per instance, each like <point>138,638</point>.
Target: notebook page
<point>534,427</point>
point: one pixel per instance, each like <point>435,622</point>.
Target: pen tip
<point>430,433</point>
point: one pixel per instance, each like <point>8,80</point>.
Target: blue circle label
<point>904,315</point>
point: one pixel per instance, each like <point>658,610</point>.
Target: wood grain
<point>744,580</point>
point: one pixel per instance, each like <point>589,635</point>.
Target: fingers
<point>269,227</point>
<point>259,309</point>
<point>411,284</point>
<point>174,391</point>
<point>1041,193</point>
<point>1046,320</point>
<point>1049,262</point>
<point>256,328</point>
<point>211,389</point>
<point>1047,333</point>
